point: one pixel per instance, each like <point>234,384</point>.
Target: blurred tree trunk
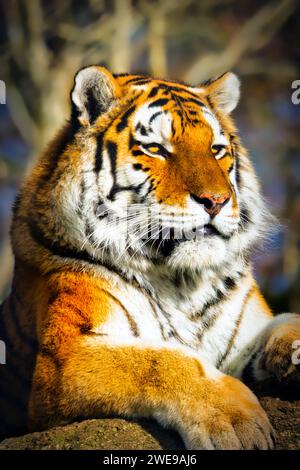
<point>120,60</point>
<point>157,43</point>
<point>252,35</point>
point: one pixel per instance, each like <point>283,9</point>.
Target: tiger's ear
<point>224,91</point>
<point>95,92</point>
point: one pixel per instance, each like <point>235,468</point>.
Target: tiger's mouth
<point>167,240</point>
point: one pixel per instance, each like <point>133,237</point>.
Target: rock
<point>112,434</point>
<point>121,434</point>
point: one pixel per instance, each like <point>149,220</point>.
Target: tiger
<point>133,292</point>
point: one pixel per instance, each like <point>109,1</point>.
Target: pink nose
<point>212,203</point>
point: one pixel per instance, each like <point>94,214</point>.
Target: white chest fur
<point>165,318</point>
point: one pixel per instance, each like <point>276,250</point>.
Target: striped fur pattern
<point>104,318</point>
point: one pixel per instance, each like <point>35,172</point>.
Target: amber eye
<point>156,149</point>
<point>153,148</point>
<point>218,150</point>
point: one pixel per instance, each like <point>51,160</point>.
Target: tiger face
<point>161,179</point>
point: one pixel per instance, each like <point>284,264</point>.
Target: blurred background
<point>43,43</point>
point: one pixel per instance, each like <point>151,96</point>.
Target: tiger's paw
<point>232,420</point>
<point>281,354</point>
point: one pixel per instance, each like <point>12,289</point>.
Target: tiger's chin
<point>197,255</point>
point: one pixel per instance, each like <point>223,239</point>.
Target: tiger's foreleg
<point>210,410</point>
<point>216,412</point>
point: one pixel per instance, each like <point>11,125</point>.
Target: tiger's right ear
<point>95,92</point>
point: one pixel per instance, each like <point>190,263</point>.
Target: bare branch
<point>21,116</point>
<point>264,23</point>
<point>156,43</point>
<point>15,32</point>
<point>38,52</point>
<point>120,60</point>
<point>96,31</point>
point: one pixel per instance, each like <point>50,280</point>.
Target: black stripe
<point>137,153</point>
<point>94,106</point>
<point>235,153</point>
<point>154,301</point>
<point>229,284</point>
<point>67,252</point>
<point>135,78</point>
<point>143,130</point>
<point>156,316</point>
<point>238,172</point>
<point>154,92</point>
<point>219,295</point>
<point>132,141</point>
<point>131,320</point>
<point>245,218</point>
<point>210,102</point>
<point>176,89</point>
<point>143,82</point>
<point>137,166</point>
<point>154,116</point>
<point>112,152</point>
<point>124,119</point>
<point>54,247</point>
<point>192,100</point>
<point>79,207</point>
<point>208,324</point>
<point>16,205</point>
<point>143,198</point>
<point>235,330</point>
<point>98,154</point>
<point>116,75</point>
<point>159,102</point>
<point>139,80</point>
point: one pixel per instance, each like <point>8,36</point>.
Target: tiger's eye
<point>217,148</point>
<point>154,149</point>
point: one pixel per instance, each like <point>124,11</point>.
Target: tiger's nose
<point>211,202</point>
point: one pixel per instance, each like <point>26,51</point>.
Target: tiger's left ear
<point>95,92</point>
<point>224,91</point>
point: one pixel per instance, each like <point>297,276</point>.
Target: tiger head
<point>153,173</point>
